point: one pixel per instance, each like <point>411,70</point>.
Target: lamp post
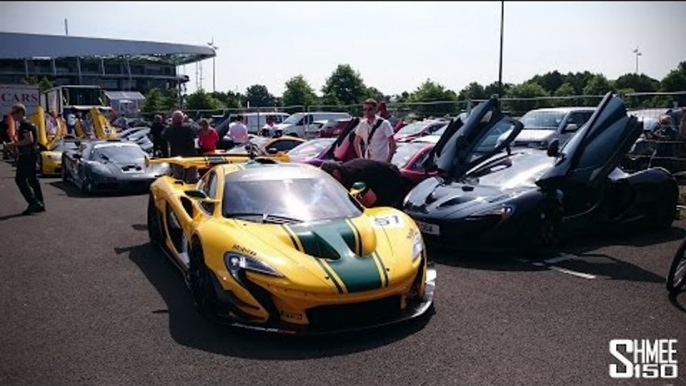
<point>500,67</point>
<point>214,67</point>
<point>637,55</point>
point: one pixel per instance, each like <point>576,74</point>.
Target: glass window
<point>118,153</point>
<point>405,152</point>
<point>307,198</point>
<point>537,119</point>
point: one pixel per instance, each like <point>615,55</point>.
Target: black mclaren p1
<point>488,196</point>
<point>110,165</point>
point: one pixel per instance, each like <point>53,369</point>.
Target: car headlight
<point>235,262</point>
<point>502,211</point>
<point>417,246</point>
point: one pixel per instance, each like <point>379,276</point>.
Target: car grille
<point>357,314</point>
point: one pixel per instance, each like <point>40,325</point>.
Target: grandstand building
<point>114,65</point>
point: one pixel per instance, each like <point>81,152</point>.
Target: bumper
<point>483,235</point>
<point>123,185</point>
<point>355,318</point>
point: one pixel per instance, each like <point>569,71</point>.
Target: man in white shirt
<point>238,131</point>
<point>376,133</point>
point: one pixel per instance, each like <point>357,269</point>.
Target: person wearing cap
<point>27,149</point>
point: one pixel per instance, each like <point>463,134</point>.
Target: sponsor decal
<point>244,250</point>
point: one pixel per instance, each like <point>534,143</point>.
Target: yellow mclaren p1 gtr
<point>283,247</point>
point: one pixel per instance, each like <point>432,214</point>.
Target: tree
<point>640,83</point>
<point>298,92</point>
<point>229,98</point>
<point>525,90</point>
<point>431,91</point>
<point>578,80</point>
<point>674,81</point>
<point>257,95</point>
<point>344,86</point>
<point>43,83</point>
<point>170,100</point>
<point>473,91</point>
<point>200,100</point>
<point>492,89</point>
<point>565,90</point>
<point>550,81</point>
<point>153,101</point>
<point>374,93</point>
<point>598,85</point>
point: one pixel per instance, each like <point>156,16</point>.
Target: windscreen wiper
<point>266,217</point>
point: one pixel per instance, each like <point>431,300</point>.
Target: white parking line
<point>549,264</point>
<point>574,273</point>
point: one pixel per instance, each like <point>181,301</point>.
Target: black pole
<point>500,70</point>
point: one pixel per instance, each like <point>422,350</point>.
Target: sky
<point>394,45</point>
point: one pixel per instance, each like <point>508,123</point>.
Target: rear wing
<point>190,169</point>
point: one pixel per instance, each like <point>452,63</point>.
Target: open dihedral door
<point>342,149</point>
<point>597,148</point>
<point>464,145</point>
<point>101,125</point>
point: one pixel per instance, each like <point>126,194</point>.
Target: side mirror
<point>76,156</point>
<point>358,188</point>
<point>196,193</point>
<point>554,148</point>
<point>272,150</point>
<point>570,128</point>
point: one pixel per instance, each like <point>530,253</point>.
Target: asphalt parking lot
<point>84,299</point>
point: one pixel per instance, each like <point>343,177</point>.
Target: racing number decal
<point>392,221</point>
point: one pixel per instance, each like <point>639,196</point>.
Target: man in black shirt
<point>180,137</point>
<point>27,149</point>
<point>156,130</point>
<point>385,185</point>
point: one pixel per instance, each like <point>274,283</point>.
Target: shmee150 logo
<point>649,359</point>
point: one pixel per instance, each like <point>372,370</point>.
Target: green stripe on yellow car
<point>336,243</point>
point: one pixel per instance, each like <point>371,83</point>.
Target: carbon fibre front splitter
<point>414,310</point>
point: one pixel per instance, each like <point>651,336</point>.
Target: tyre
<point>64,171</point>
<point>87,187</point>
<point>677,272</point>
<point>665,212</point>
<point>153,223</point>
<point>200,280</point>
<point>546,230</point>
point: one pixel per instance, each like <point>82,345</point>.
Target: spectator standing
<point>376,133</point>
<point>207,137</point>
<point>238,131</point>
<point>180,137</point>
<point>27,149</point>
<point>159,145</point>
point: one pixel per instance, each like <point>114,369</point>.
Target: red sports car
<point>419,129</point>
<point>410,155</point>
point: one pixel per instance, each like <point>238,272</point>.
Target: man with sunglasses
<point>376,133</point>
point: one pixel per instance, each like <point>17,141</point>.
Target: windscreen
<point>547,120</point>
<point>310,149</point>
<point>118,153</point>
<point>310,198</point>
